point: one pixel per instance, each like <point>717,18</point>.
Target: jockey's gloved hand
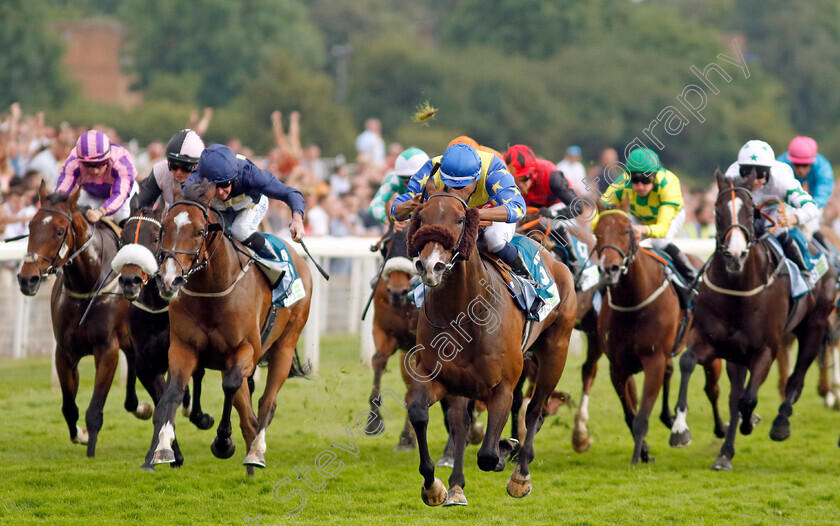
<point>546,212</point>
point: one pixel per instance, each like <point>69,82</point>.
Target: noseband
<point>628,257</point>
<point>198,263</point>
<point>457,253</point>
<point>140,220</point>
<point>32,257</point>
<point>749,234</point>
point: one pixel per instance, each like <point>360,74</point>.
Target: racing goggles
<point>95,164</point>
<point>225,184</point>
<point>761,172</point>
<point>181,165</point>
<point>642,177</point>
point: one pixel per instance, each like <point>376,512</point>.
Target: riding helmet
<point>802,150</point>
<point>217,164</point>
<point>460,165</point>
<point>643,160</point>
<point>185,146</point>
<point>409,162</point>
<point>93,146</point>
<point>522,159</point>
<point>756,153</point>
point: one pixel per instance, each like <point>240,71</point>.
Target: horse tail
<point>298,369</point>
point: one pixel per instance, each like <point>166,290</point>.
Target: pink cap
<point>802,150</point>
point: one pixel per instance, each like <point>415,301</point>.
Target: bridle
<point>628,257</point>
<point>198,263</point>
<point>52,268</point>
<point>748,232</point>
<point>456,254</point>
<point>140,220</point>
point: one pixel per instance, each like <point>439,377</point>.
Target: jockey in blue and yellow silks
<point>494,193</point>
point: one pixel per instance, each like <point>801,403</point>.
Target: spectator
<point>46,162</point>
<point>573,169</point>
<point>317,217</point>
<point>340,180</point>
<point>200,126</point>
<point>288,150</point>
<point>370,142</point>
<point>15,214</point>
<point>603,175</point>
<point>312,160</point>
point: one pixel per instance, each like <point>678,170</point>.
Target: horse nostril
<point>613,269</point>
<point>34,279</point>
<point>439,267</point>
<point>419,266</point>
<point>136,281</point>
<point>177,282</point>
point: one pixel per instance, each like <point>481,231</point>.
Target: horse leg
<point>713,368</point>
<point>516,409</point>
<point>233,378</point>
<point>665,416</point>
<point>835,379</point>
<point>680,433</point>
<point>447,459</point>
<point>812,337</point>
<point>199,418</point>
<point>420,396</point>
<point>783,358</point>
<point>654,366</point>
<point>182,362</point>
<point>143,411</point>
<point>68,379</point>
<point>106,360</point>
<point>759,370</point>
<point>581,439</point>
<point>622,382</point>
<point>458,419</point>
<point>498,409</point>
<point>385,347</point>
<point>737,376</point>
<point>407,439</point>
<point>247,423</point>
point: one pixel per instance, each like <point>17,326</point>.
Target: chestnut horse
<point>470,344</point>
<point>63,242</point>
<point>148,316</point>
<point>639,320</point>
<point>539,229</point>
<point>743,313</point>
<point>218,304</point>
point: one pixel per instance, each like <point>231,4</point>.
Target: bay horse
<point>743,312</point>
<point>639,321</point>
<point>63,242</point>
<point>148,316</point>
<point>468,296</point>
<point>218,304</point>
<point>539,229</point>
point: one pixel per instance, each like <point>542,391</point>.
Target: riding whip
<point>321,270</point>
<point>92,299</point>
<point>684,321</point>
<point>16,238</point>
<point>378,277</point>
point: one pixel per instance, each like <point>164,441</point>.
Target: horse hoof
<point>455,497</point>
<point>203,421</point>
<point>681,439</point>
<point>406,443</point>
<point>476,435</point>
<point>186,409</point>
<point>508,448</point>
<point>435,495</point>
<point>249,471</point>
<point>581,441</point>
<point>722,464</point>
<point>81,436</point>
<point>446,462</point>
<point>519,486</point>
<point>374,426</point>
<point>780,430</point>
<point>223,451</point>
<point>148,468</point>
<point>256,459</point>
<point>163,456</point>
<point>144,411</point>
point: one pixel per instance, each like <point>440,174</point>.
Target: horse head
<point>53,233</point>
<point>135,262</point>
<point>442,231</point>
<point>185,232</point>
<point>615,243</point>
<point>734,218</point>
<point>398,270</point>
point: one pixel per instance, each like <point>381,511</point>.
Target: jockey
<point>775,181</point>
<point>396,183</point>
<point>242,192</point>
<point>814,173</point>
<point>106,174</point>
<point>182,155</point>
<point>656,209</point>
<point>485,176</point>
<point>544,186</point>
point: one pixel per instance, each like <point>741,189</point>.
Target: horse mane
<point>419,236</point>
<point>196,191</point>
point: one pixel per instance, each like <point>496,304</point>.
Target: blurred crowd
<point>338,192</point>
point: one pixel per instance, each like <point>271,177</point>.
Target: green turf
<point>46,479</point>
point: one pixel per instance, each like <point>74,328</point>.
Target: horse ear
<point>43,195</point>
<point>413,227</point>
<point>208,192</point>
<point>177,192</point>
<point>600,205</point>
<point>470,236</point>
<point>624,205</point>
<point>721,179</point>
<point>160,204</point>
<point>748,182</point>
<point>73,198</point>
<point>134,203</point>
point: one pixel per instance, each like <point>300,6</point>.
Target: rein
<point>140,220</point>
<point>32,257</point>
<point>748,233</point>
<point>627,258</point>
<point>197,262</point>
<point>457,253</point>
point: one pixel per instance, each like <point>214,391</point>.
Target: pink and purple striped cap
<point>93,146</point>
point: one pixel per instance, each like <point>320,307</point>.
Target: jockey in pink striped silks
<point>106,173</point>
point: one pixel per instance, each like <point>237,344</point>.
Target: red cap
<point>522,159</point>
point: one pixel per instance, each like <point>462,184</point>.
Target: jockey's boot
<point>572,260</point>
<point>792,252</point>
<point>258,244</point>
<point>687,272</point>
<point>517,265</point>
<point>830,250</point>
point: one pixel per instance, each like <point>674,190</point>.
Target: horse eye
<point>461,221</point>
<point>59,232</point>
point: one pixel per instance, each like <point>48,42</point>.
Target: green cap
<point>643,160</point>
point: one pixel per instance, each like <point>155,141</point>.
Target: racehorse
<point>586,321</point>
<point>639,321</point>
<point>218,304</point>
<point>148,316</point>
<point>63,242</point>
<point>743,311</point>
<point>443,235</point>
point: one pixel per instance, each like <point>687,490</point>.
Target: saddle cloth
<point>286,285</point>
<point>523,293</point>
<point>798,285</point>
<point>589,275</point>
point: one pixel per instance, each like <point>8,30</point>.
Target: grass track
<point>45,479</point>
